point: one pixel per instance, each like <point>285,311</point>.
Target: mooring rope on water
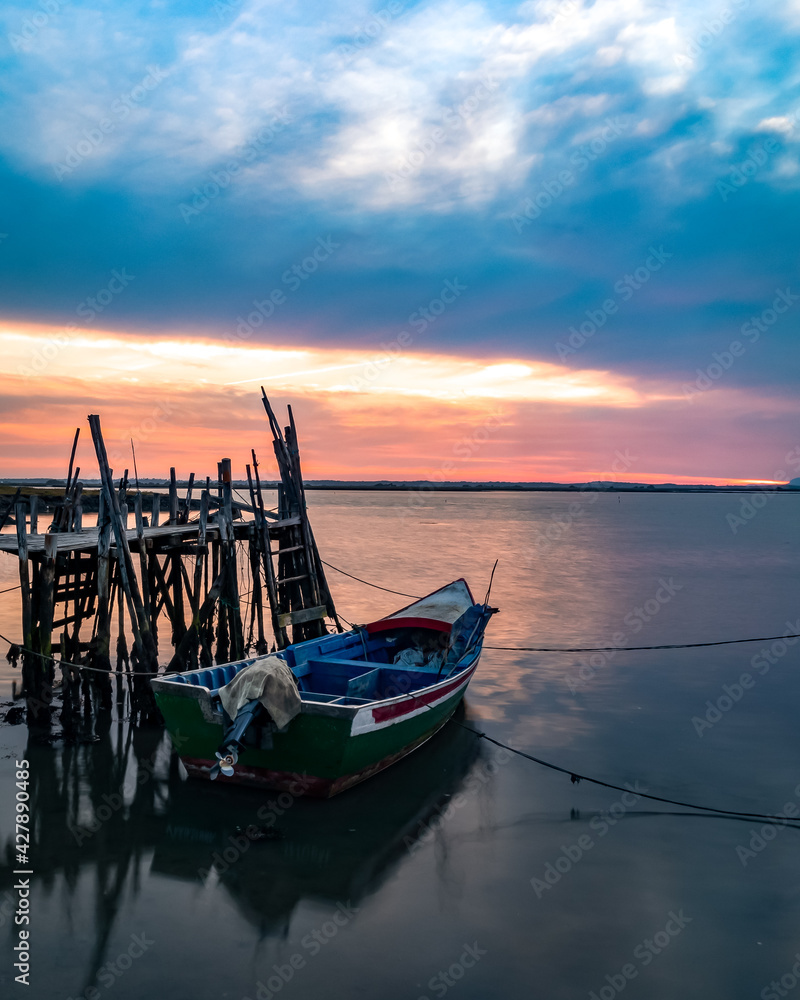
<point>624,649</point>
<point>576,777</point>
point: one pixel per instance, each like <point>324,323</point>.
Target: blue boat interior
<point>352,668</point>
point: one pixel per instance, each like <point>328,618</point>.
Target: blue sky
<point>535,153</point>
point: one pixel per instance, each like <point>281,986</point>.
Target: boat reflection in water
<point>110,799</point>
<point>270,853</point>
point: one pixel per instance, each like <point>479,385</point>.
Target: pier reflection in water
<point>117,819</point>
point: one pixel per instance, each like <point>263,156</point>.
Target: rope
<point>8,591</point>
<point>576,777</point>
<point>623,649</point>
<point>77,666</point>
<point>375,585</point>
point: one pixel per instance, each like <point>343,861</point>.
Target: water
<point>419,882</point>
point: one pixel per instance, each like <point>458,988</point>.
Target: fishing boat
<point>364,699</point>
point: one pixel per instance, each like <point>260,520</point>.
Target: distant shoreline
<point>423,486</point>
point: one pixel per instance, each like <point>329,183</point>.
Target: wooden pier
<point>75,581</point>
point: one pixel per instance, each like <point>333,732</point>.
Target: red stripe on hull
<point>410,704</point>
<point>392,624</point>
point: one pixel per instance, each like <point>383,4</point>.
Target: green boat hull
<point>323,750</point>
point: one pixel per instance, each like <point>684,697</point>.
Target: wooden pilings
<point>147,655</point>
<point>210,574</point>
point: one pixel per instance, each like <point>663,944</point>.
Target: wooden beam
<point>303,616</point>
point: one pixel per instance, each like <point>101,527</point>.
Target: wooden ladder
<point>298,590</point>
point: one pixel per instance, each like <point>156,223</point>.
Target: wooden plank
<point>303,616</point>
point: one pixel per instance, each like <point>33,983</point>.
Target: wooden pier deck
<point>166,535</point>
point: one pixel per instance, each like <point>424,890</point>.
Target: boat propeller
<point>225,762</point>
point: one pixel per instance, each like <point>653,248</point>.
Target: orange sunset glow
<point>393,415</point>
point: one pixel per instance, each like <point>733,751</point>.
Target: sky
<point>542,241</point>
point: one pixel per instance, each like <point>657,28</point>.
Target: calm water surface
<point>419,882</point>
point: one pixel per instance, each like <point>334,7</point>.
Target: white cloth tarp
<point>271,681</point>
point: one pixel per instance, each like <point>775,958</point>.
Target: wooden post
<point>156,510</point>
<point>281,636</point>
<point>176,578</point>
<point>123,659</point>
<point>232,589</point>
<point>28,667</point>
<point>61,521</point>
<point>148,657</point>
<point>102,643</point>
<point>200,559</point>
<point>187,504</point>
<point>34,502</point>
<point>77,508</point>
<point>137,506</point>
<point>173,497</point>
<point>206,610</point>
<point>123,488</point>
<point>256,607</point>
<point>46,605</point>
